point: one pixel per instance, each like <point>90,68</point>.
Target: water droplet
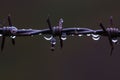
<point>88,34</point>
<point>39,34</point>
<point>80,35</point>
<point>63,37</point>
<point>95,35</point>
<point>53,41</point>
<point>13,37</point>
<point>48,38</point>
<point>96,38</point>
<point>61,20</point>
<point>114,40</point>
<point>0,34</point>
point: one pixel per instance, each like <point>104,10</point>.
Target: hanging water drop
<point>96,38</point>
<point>0,35</point>
<point>63,37</point>
<point>80,35</point>
<point>48,38</point>
<point>88,34</point>
<point>53,41</point>
<point>13,37</point>
<point>95,35</point>
<point>39,34</point>
<point>114,40</point>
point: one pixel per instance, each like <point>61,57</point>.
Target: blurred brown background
<point>80,59</point>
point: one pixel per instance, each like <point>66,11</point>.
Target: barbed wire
<point>58,31</point>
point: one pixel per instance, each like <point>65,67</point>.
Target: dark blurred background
<point>81,57</point>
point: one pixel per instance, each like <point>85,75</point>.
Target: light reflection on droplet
<point>114,40</point>
<point>0,34</point>
<point>96,38</point>
<point>53,41</point>
<point>39,34</point>
<point>61,20</point>
<point>80,35</point>
<point>48,38</point>
<point>95,35</point>
<point>13,37</point>
<point>88,34</point>
<point>64,36</point>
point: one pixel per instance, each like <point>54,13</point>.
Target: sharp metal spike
<point>101,25</point>
<point>3,43</point>
<point>109,37</point>
<point>61,42</point>
<point>13,41</point>
<point>111,21</point>
<point>111,43</point>
<point>49,23</point>
<point>9,20</point>
<point>60,22</point>
<point>1,24</point>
